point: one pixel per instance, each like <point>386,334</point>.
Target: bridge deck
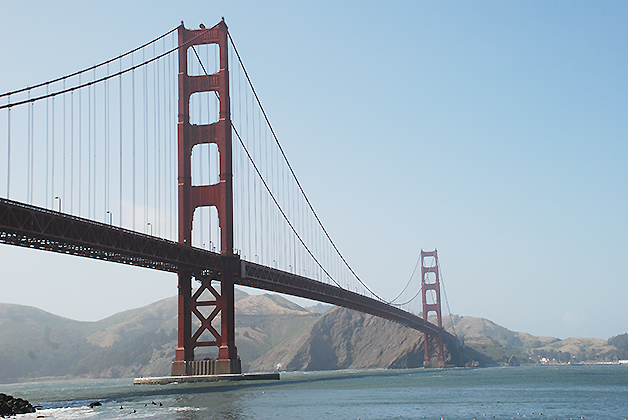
<point>38,228</point>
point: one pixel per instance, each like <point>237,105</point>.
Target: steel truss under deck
<point>39,228</point>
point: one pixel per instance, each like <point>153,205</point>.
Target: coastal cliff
<point>346,339</point>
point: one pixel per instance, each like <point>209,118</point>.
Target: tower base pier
<point>166,380</point>
<point>206,367</point>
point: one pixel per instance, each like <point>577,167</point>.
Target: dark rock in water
<point>95,404</point>
<point>10,406</point>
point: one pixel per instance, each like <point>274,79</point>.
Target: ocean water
<point>544,392</point>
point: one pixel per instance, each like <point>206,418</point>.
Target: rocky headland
<point>10,406</point>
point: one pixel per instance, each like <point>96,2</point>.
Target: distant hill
<point>499,344</point>
<point>270,331</point>
<point>265,321</point>
<point>621,342</point>
<point>34,343</point>
<point>346,339</point>
<point>138,342</point>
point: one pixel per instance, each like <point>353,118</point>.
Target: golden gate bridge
<point>163,157</point>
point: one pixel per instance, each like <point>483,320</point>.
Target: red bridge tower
<point>191,197</point>
<point>430,286</point>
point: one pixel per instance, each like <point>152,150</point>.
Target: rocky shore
<point>10,406</point>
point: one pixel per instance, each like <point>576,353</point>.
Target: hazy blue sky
<point>496,132</point>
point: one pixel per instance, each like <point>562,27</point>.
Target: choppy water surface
<point>561,392</point>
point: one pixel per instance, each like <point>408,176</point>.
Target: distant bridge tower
<point>191,197</point>
<point>430,286</point>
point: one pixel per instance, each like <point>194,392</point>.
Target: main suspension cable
<point>110,76</point>
<point>279,207</point>
<point>294,175</point>
<point>408,283</point>
<point>259,174</point>
<point>410,300</point>
<point>88,69</point>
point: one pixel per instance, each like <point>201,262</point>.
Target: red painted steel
<point>218,195</point>
<point>35,227</point>
<point>38,228</point>
<point>267,278</point>
<point>433,341</point>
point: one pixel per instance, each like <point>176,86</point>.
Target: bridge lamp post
<point>110,217</point>
<point>151,228</point>
<point>59,198</point>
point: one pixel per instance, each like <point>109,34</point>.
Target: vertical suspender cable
<point>89,151</point>
<point>28,143</point>
<point>94,156</point>
<point>71,152</point>
<point>241,165</point>
<point>9,149</point>
<point>47,142</point>
<point>172,200</point>
<point>164,156</point>
<point>155,140</point>
<point>106,171</point>
<point>32,150</point>
<point>296,180</point>
<point>64,118</point>
<point>145,105</point>
<point>440,273</point>
<point>105,146</point>
<point>248,183</point>
<point>133,105</point>
<point>120,163</point>
<point>255,203</point>
<point>172,197</point>
<point>155,219</point>
<point>80,156</point>
<point>52,177</point>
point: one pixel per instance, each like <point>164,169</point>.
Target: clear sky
<point>496,132</point>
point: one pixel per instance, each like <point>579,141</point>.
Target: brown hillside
<point>346,339</point>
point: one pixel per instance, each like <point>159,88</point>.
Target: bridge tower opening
<point>430,286</point>
<point>207,303</point>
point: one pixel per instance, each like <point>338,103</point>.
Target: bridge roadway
<point>39,228</point>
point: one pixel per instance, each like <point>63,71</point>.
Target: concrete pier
<point>190,379</point>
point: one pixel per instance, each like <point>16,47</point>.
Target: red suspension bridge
<point>164,158</point>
